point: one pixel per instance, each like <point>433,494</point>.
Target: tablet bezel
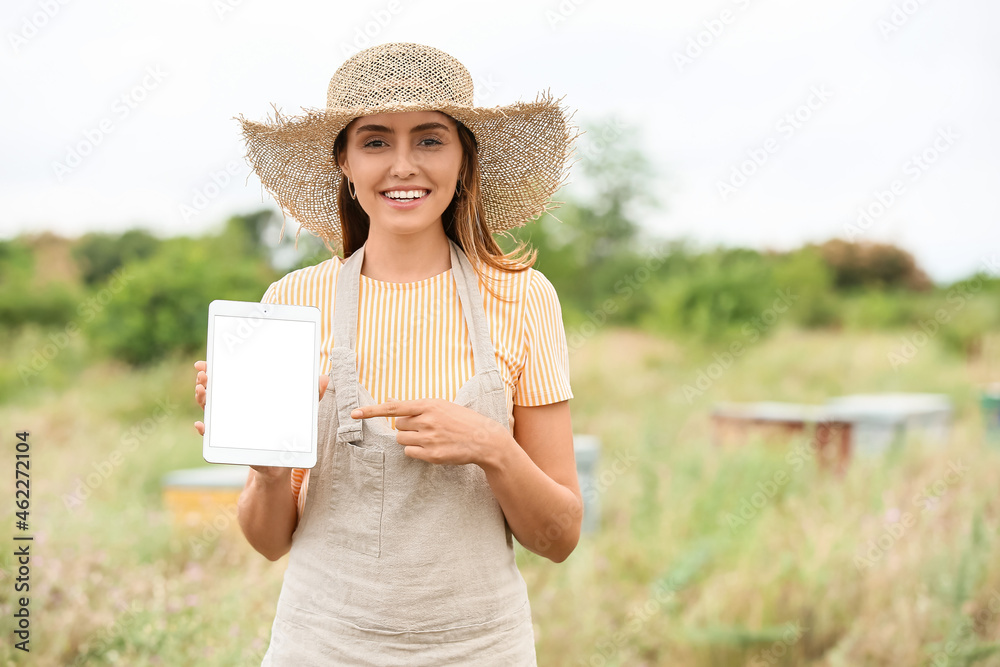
<point>263,457</point>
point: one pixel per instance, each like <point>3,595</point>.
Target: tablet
<point>262,402</point>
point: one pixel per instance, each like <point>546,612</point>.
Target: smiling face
<point>403,166</point>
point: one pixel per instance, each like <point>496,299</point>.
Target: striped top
<point>413,342</point>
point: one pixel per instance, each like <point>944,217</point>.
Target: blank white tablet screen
<point>262,383</point>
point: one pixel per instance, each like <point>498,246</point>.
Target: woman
<point>444,424</point>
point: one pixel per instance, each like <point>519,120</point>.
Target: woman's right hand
<point>200,390</point>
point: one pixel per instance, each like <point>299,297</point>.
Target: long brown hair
<point>464,220</point>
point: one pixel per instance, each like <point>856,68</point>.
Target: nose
<point>403,165</point>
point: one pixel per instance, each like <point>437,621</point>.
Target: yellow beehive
<point>204,496</point>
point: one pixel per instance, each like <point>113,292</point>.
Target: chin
<point>408,226</point>
<point>403,222</point>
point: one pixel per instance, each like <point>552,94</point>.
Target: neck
<point>406,258</point>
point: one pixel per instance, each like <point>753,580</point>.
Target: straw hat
<point>523,148</point>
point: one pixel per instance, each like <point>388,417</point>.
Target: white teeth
<point>405,194</point>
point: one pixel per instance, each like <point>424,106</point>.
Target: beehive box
<point>587,451</point>
<point>205,495</point>
<point>773,421</point>
<point>883,421</point>
<point>990,405</point>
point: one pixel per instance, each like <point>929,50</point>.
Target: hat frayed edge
<point>570,136</point>
<point>246,131</point>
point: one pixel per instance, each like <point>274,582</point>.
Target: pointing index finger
<point>390,408</point>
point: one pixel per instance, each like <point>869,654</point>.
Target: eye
<point>431,139</point>
<point>370,142</point>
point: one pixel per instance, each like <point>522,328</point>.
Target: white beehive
<point>880,421</point>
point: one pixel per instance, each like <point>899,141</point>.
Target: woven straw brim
<point>524,152</point>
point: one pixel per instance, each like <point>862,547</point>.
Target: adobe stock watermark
<point>595,486</point>
<point>751,506</point>
<point>785,127</point>
<point>223,8</point>
<point>898,16</point>
<point>365,34</point>
<point>58,341</point>
<point>562,12</point>
<point>624,288</point>
<point>33,23</point>
<point>966,634</point>
<point>703,40</point>
<point>261,651</point>
<point>235,331</point>
<point>596,144</point>
<point>901,522</point>
<point>121,108</point>
<point>605,648</point>
<point>776,652</point>
<point>203,196</point>
<point>213,529</point>
<point>913,168</point>
<point>957,298</point>
<point>129,442</point>
<point>591,490</point>
<point>752,332</point>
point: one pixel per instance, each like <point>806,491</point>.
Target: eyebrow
<point>388,130</point>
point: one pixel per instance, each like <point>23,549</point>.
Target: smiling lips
<point>404,199</point>
<point>405,195</point>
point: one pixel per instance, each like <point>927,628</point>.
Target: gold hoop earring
<point>354,195</point>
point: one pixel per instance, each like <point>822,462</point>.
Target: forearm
<point>544,516</point>
<point>267,514</point>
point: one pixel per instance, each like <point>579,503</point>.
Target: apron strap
<point>343,358</point>
<point>345,375</point>
<point>345,317</point>
<point>466,279</point>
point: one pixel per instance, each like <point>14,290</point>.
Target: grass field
<point>895,563</point>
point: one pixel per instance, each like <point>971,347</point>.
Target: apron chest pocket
<point>356,502</point>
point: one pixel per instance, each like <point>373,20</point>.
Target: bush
<point>98,254</point>
<point>162,305</point>
<point>807,276</point>
<point>714,296</point>
<point>967,313</point>
<point>875,309</point>
<point>22,299</point>
<point>15,261</point>
<point>52,305</point>
<point>872,265</point>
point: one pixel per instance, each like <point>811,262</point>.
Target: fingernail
<point>356,413</point>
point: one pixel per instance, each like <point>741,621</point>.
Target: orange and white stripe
<point>413,342</point>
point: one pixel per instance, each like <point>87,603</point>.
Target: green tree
<point>98,254</point>
<point>246,234</point>
<point>595,253</point>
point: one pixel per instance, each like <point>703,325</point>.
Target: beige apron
<point>396,561</point>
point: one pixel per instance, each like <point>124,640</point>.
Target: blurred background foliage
<point>136,297</point>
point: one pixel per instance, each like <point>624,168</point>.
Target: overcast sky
<point>770,123</point>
